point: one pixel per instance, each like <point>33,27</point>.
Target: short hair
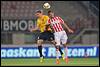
<point>39,11</point>
<point>49,11</point>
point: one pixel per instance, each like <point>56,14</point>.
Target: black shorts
<point>46,35</point>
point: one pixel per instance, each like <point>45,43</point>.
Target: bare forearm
<point>66,26</point>
<point>34,29</point>
<point>71,31</point>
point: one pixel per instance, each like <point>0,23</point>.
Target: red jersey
<point>56,23</point>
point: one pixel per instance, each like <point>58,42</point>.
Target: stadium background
<point>18,16</point>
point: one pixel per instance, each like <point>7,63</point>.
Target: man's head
<point>38,13</point>
<point>50,14</point>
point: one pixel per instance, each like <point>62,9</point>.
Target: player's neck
<point>52,17</point>
<point>41,16</point>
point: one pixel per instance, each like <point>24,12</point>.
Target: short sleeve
<point>61,20</point>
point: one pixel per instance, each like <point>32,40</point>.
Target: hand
<point>30,30</point>
<point>70,31</point>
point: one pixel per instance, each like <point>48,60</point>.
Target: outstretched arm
<point>69,30</point>
<point>33,29</point>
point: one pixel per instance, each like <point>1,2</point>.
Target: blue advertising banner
<point>48,52</point>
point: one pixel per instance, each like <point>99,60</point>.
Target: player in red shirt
<point>59,33</point>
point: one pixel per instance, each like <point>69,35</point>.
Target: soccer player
<point>59,33</point>
<point>45,32</point>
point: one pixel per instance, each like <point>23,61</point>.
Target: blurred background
<point>18,16</point>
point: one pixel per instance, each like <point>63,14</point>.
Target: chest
<point>42,21</point>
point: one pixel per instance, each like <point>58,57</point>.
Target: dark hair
<point>49,11</point>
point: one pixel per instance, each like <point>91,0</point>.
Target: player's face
<point>38,14</point>
<point>51,14</point>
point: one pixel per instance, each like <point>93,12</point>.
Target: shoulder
<point>57,16</point>
<point>45,16</point>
